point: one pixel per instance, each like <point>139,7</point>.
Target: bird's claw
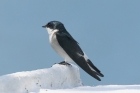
<point>64,63</point>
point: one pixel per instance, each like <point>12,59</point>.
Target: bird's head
<point>53,26</point>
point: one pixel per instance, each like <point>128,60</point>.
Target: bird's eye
<point>49,25</point>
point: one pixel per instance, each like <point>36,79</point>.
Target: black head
<point>54,25</point>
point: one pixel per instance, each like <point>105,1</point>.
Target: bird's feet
<point>64,63</point>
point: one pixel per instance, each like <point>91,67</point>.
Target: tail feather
<point>86,67</point>
<point>95,68</point>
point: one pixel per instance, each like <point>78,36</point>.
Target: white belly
<point>58,49</point>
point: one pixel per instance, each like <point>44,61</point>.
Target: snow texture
<point>96,89</point>
<point>56,77</point>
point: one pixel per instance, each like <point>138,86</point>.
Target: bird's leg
<point>64,63</point>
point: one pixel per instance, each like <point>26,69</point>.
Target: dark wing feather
<point>72,48</point>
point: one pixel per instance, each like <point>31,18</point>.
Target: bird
<point>68,48</point>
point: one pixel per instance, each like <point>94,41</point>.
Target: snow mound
<point>56,77</point>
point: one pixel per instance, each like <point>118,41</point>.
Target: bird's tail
<point>88,67</point>
<point>98,72</point>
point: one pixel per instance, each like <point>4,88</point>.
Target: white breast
<point>55,45</point>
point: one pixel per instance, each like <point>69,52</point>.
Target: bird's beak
<point>44,26</point>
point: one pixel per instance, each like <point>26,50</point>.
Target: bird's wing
<point>72,48</point>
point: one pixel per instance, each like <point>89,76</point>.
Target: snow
<point>57,79</point>
<point>96,89</point>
